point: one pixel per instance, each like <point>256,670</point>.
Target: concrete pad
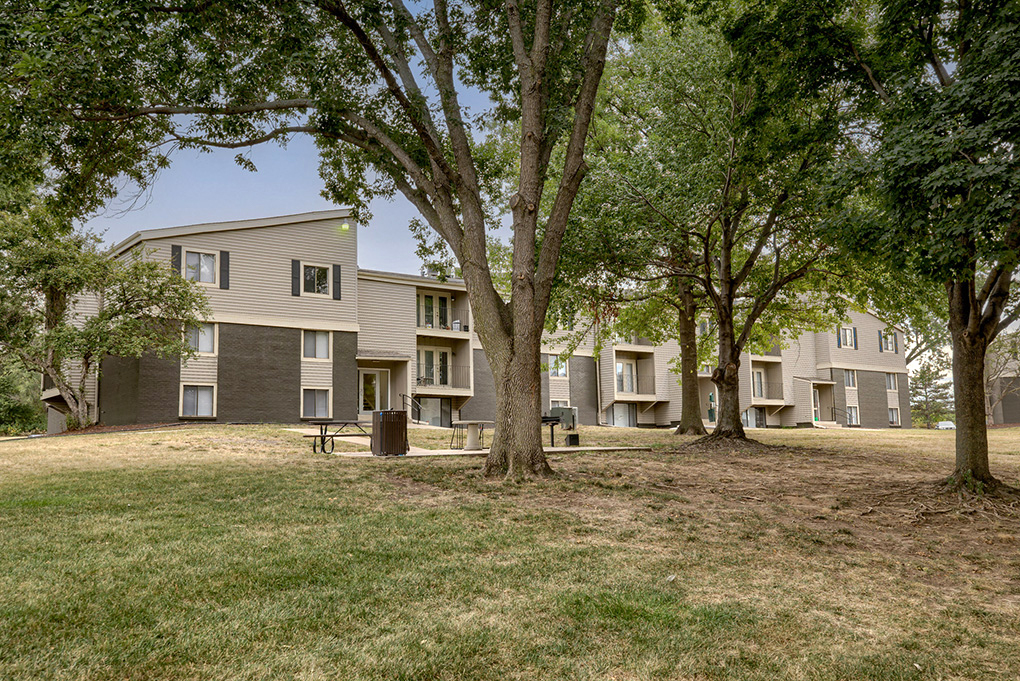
<point>418,452</point>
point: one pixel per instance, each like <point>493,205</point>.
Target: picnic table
<point>473,430</point>
<point>320,441</point>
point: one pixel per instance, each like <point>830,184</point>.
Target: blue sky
<point>210,187</point>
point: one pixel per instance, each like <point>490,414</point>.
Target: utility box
<point>389,433</point>
<point>567,417</point>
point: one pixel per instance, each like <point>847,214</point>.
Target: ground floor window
<point>198,400</point>
<point>436,411</point>
<point>852,417</point>
<point>559,403</point>
<point>894,416</point>
<point>315,403</point>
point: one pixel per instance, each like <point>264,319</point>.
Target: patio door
<point>433,311</point>
<point>373,390</point>
<point>434,366</point>
<point>625,376</point>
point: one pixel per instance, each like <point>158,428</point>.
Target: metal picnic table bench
<point>319,441</point>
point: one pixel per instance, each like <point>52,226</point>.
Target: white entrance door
<point>816,404</point>
<point>373,390</point>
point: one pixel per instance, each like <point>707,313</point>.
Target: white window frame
<point>896,421</point>
<point>892,382</point>
<point>180,403</point>
<point>329,402</point>
<point>329,280</point>
<point>619,371</point>
<point>436,366</point>
<point>435,322</point>
<point>329,347</point>
<point>758,382</point>
<point>889,342</point>
<point>846,337</point>
<point>853,415</point>
<point>215,340</point>
<point>557,367</point>
<point>849,382</point>
<point>216,268</point>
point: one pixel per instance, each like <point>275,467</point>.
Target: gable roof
<point>203,228</point>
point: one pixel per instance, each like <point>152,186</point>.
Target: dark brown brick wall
<point>583,374</point>
<point>259,375</point>
<point>1011,402</point>
<point>345,376</point>
<point>874,403</point>
<point>482,406</point>
<point>145,390</point>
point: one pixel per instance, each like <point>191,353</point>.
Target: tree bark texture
<point>690,391</point>
<point>970,344</point>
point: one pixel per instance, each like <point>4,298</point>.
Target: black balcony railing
<point>767,390</point>
<point>635,384</point>
<point>443,377</point>
<point>444,318</point>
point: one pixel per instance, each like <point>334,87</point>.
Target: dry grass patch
<point>234,553</point>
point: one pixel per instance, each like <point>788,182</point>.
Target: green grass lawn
<point>235,553</point>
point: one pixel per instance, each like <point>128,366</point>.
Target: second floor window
<point>850,378</point>
<point>889,343</point>
<point>890,382</point>
<point>847,338</point>
<point>557,366</point>
<point>316,280</point>
<point>316,345</point>
<point>200,267</point>
<point>202,338</point>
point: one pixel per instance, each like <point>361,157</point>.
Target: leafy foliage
<point>930,394</point>
<point>65,304</point>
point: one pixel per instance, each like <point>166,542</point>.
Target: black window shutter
<point>896,343</point>
<point>839,338</point>
<point>336,282</point>
<point>175,258</point>
<point>224,269</point>
<point>880,349</point>
<point>295,277</point>
<point>855,338</point>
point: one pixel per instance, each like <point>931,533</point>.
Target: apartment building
<point>298,332</point>
<point>853,377</point>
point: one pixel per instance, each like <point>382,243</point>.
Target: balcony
<point>443,318</point>
<point>631,384</point>
<point>437,378</point>
<point>767,390</point>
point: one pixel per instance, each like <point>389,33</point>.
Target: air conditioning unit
<point>567,417</point>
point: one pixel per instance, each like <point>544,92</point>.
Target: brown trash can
<point>389,433</point>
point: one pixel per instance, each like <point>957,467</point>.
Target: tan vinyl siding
<point>866,356</point>
<point>607,374</point>
<point>386,317</point>
<point>260,272</point>
<point>646,414</point>
<point>316,374</point>
<point>199,370</point>
<point>559,388</point>
<point>851,397</point>
<point>82,308</point>
<point>744,386</point>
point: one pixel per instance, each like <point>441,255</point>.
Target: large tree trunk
<point>727,378</point>
<point>690,391</point>
<point>969,348</point>
<point>517,443</point>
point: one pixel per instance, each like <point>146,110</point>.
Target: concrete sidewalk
<point>418,451</point>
